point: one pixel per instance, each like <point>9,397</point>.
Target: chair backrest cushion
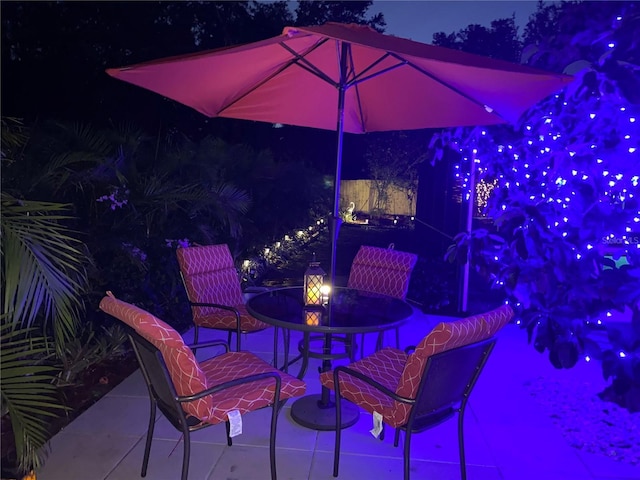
<point>382,270</point>
<point>185,373</point>
<point>209,276</point>
<point>498,318</point>
<point>446,336</point>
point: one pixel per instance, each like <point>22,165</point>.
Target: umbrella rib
<point>289,63</point>
<point>357,91</point>
<point>374,75</point>
<point>305,64</point>
<point>359,78</point>
<point>445,84</point>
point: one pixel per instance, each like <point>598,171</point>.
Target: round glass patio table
<point>347,311</point>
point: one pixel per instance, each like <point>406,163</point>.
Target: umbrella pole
<point>324,401</point>
<point>336,220</point>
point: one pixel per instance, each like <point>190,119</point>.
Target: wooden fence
<point>363,194</point>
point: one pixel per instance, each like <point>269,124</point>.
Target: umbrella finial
<point>290,31</point>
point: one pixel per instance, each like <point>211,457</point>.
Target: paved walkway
<point>507,435</point>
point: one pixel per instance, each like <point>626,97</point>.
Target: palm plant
<point>43,271</point>
<point>42,278</point>
<point>27,403</point>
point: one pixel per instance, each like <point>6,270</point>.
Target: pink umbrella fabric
<point>347,78</point>
<point>391,83</point>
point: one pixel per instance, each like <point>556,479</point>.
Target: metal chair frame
<point>350,339</point>
<point>446,384</point>
<point>163,396</point>
<point>238,330</point>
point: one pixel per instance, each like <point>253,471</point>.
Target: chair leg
<point>463,466</point>
<point>305,355</point>
<point>380,341</point>
<point>407,453</point>
<point>196,331</point>
<point>186,454</point>
<point>147,446</point>
<point>286,337</point>
<point>275,346</point>
<point>272,439</point>
<point>336,451</point>
<point>396,438</point>
<point>227,425</point>
<point>351,346</point>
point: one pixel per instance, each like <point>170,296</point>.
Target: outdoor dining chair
<point>193,395</point>
<point>385,271</point>
<point>415,391</point>
<point>213,288</point>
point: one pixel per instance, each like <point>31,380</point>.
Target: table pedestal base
<point>308,412</point>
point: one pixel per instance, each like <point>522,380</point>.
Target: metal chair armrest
<point>224,307</point>
<point>369,381</point>
<point>216,305</point>
<point>213,343</point>
<point>410,349</point>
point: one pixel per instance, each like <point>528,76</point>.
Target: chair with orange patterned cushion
<point>213,288</point>
<point>385,271</point>
<point>193,395</point>
<point>416,391</point>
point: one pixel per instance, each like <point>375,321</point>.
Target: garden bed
<point>587,422</point>
<point>90,386</point>
<point>434,285</point>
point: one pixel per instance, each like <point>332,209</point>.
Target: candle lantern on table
<point>313,281</point>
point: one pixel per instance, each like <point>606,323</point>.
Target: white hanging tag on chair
<point>235,420</point>
<point>377,425</point>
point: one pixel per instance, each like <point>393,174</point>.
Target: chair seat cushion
<point>248,396</point>
<point>386,366</point>
<point>225,319</point>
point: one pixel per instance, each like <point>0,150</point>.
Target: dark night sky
<point>420,19</point>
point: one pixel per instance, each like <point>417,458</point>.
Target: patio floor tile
<point>113,415</point>
<point>375,467</point>
<point>508,435</point>
<point>165,461</point>
<point>252,463</point>
<point>79,456</point>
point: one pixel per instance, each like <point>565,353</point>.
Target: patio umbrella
<point>347,78</point>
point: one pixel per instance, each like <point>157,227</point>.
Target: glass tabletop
<point>348,311</point>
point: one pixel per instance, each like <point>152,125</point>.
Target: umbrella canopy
<point>348,78</point>
<point>390,83</point>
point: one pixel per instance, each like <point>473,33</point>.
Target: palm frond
<point>230,204</point>
<point>13,137</point>
<point>128,135</point>
<point>161,189</point>
<point>43,264</point>
<point>66,170</point>
<point>84,138</point>
<point>231,198</point>
<point>28,403</point>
